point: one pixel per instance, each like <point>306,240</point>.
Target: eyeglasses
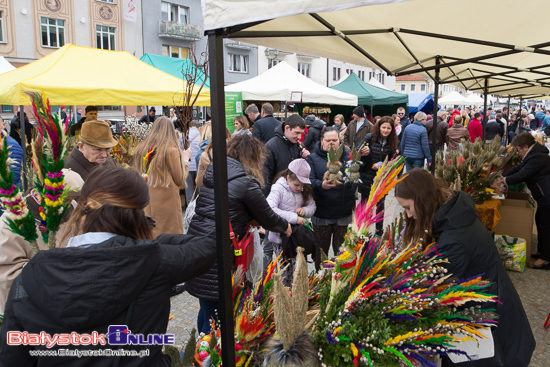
<point>401,113</point>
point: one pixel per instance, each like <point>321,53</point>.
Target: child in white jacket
<point>291,197</point>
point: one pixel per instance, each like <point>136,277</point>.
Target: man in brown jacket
<point>357,130</point>
<point>95,143</point>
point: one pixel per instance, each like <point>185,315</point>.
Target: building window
<point>7,109</point>
<point>271,63</point>
<point>370,75</point>
<point>108,108</point>
<point>362,75</point>
<point>174,13</point>
<point>304,68</point>
<point>380,78</point>
<point>53,32</point>
<point>238,63</point>
<point>105,37</point>
<point>174,51</point>
<point>422,87</point>
<point>413,87</point>
<point>403,86</point>
<point>2,30</point>
<point>349,71</point>
<point>335,73</point>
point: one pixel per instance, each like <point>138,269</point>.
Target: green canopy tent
<point>385,101</point>
<point>174,66</point>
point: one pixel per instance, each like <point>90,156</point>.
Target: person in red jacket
<point>455,113</point>
<point>475,130</point>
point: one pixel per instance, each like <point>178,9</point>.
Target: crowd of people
<point>124,244</point>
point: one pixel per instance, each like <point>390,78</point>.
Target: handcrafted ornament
<point>293,345</point>
<point>48,163</point>
<point>146,163</point>
<point>353,166</point>
<point>18,218</point>
<point>333,172</point>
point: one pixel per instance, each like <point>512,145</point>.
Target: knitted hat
<point>359,111</point>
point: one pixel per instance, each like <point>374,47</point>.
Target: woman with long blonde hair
<point>166,175</point>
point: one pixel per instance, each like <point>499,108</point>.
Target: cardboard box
<point>518,216</point>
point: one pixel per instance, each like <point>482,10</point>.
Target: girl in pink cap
<point>291,197</point>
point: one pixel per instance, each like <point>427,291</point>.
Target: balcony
<point>179,30</point>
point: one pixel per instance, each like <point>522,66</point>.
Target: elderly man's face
<point>94,154</point>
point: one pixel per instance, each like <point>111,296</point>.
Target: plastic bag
<point>256,267</point>
<point>512,251</point>
<point>189,212</point>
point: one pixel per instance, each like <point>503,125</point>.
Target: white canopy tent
<point>5,65</point>
<point>277,84</point>
<point>453,98</point>
<point>390,37</point>
<point>474,99</point>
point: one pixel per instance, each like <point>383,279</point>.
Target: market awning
<point>176,67</point>
<point>408,37</point>
<point>279,82</point>
<point>368,94</point>
<point>75,75</point>
<point>5,65</point>
<point>421,102</point>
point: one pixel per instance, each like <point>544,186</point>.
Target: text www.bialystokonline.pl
<point>90,353</point>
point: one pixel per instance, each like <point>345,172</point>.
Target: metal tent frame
<point>473,70</point>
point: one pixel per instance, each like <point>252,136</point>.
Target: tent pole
<point>485,87</point>
<point>23,146</point>
<point>286,109</point>
<point>224,255</point>
<point>435,110</point>
<point>507,121</point>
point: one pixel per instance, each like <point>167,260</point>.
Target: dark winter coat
<point>280,152</point>
<point>469,247</point>
<point>534,170</point>
<point>313,134</point>
<point>78,163</point>
<point>334,203</point>
<point>356,138</point>
<point>379,151</point>
<point>246,203</point>
<point>264,128</point>
<point>414,142</point>
<point>120,281</point>
<point>15,131</point>
<point>404,121</point>
<point>493,129</point>
<point>440,132</point>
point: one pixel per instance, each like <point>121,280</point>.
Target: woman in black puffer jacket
<point>383,143</point>
<point>245,159</point>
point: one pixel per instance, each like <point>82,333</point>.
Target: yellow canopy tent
<point>75,75</point>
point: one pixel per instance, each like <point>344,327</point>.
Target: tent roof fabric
<point>75,75</point>
<point>453,98</point>
<point>368,94</point>
<point>277,84</point>
<point>421,102</point>
<point>391,37</point>
<point>5,65</point>
<point>174,66</point>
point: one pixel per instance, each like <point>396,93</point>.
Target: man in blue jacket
<point>414,143</point>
